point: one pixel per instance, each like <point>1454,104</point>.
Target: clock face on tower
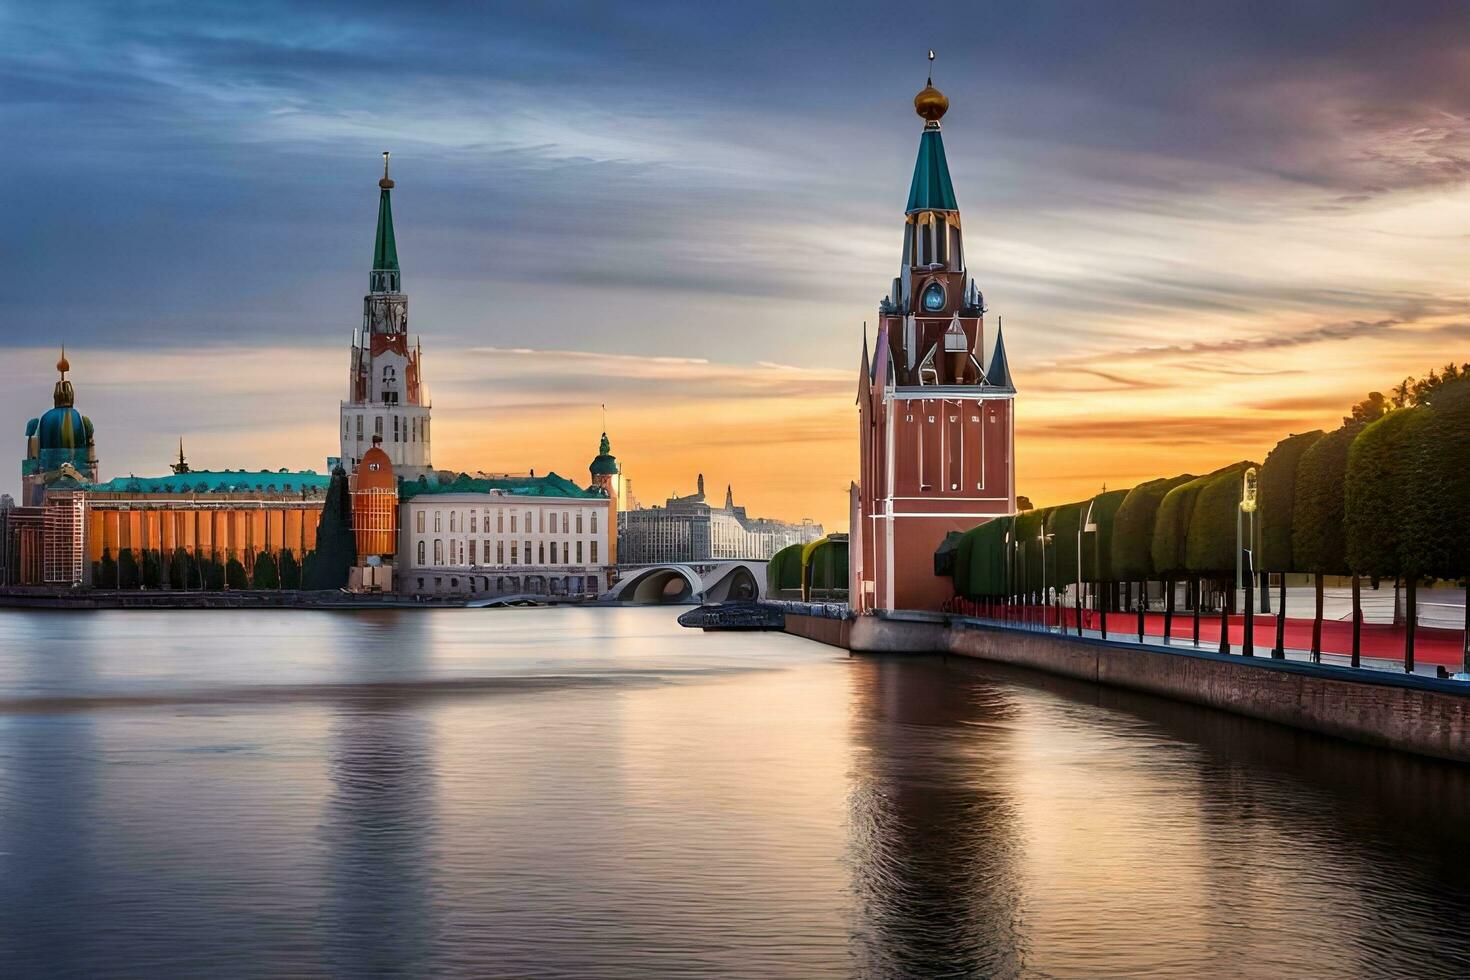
<point>933,297</point>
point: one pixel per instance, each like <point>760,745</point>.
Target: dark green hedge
<point>827,566</point>
<point>1097,549</point>
<point>1210,544</point>
<point>1133,529</point>
<point>1061,553</point>
<point>1317,540</point>
<point>783,571</point>
<point>1436,539</point>
<point>1168,546</point>
<point>1277,497</point>
<point>1028,527</point>
<point>1376,491</point>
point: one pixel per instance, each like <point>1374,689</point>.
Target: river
<point>599,793</point>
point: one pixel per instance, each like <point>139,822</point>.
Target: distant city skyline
<point>1203,228</point>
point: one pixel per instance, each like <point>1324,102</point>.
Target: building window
<point>421,556</point>
<point>528,552</point>
<point>512,522</point>
<point>474,522</point>
<point>359,428</point>
<point>594,522</point>
<point>472,551</point>
<point>579,522</point>
<point>566,523</point>
<point>453,522</point>
<point>500,521</point>
<point>500,552</point>
<point>378,426</point>
<point>515,553</point>
<point>553,552</point>
<point>528,522</point>
<point>395,428</point>
<point>438,520</point>
<point>579,552</point>
<point>438,551</point>
<point>541,553</point>
<point>418,523</point>
<point>594,552</point>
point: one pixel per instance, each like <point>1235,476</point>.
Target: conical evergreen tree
<point>336,547</point>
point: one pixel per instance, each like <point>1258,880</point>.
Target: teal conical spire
<point>931,189</point>
<point>385,275</point>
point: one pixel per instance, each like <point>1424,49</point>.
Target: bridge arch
<point>659,584</point>
<point>710,581</point>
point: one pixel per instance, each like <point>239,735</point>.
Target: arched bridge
<point>717,581</point>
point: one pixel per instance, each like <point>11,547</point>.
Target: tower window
<point>934,297</point>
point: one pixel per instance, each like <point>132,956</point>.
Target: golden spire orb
<point>63,365</point>
<point>931,104</point>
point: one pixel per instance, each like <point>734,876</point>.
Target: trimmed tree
<point>179,570</point>
<point>152,570</point>
<point>129,575</point>
<point>1063,524</point>
<point>1169,546</point>
<point>290,570</point>
<point>106,577</point>
<point>265,574</point>
<point>1436,539</point>
<point>1377,490</point>
<point>1317,541</point>
<point>1276,489</point>
<point>336,546</point>
<point>235,577</point>
<point>214,573</point>
<point>1210,547</point>
<point>1097,552</point>
<point>1133,532</point>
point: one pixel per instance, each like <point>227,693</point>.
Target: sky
<point>1206,225</point>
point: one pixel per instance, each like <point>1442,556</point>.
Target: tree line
<point>1383,496</point>
<point>324,567</point>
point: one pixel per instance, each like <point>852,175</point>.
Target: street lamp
<point>1043,537</point>
<point>1086,525</point>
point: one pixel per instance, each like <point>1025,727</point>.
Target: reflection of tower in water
<point>935,845</point>
<point>381,814</point>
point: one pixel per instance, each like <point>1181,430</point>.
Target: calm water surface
<point>598,793</point>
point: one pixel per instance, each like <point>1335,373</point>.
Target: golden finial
<point>63,365</point>
<point>385,183</point>
<point>931,104</point>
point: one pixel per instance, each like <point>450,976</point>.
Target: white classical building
<point>504,536</point>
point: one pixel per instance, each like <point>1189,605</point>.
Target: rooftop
<point>550,485</point>
<point>218,481</point>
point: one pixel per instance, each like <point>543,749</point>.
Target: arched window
<point>421,552</point>
<point>438,551</point>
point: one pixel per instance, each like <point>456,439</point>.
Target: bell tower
<point>936,428</point>
<point>385,391</point>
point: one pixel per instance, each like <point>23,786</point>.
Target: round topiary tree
<point>290,570</point>
<point>235,577</point>
<point>1317,540</point>
<point>1377,489</point>
<point>1276,489</point>
<point>1435,538</point>
<point>1169,546</point>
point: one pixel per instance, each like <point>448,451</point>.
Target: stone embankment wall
<point>1409,713</point>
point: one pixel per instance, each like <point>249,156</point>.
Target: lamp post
<point>1085,525</point>
<point>1244,572</point>
<point>1043,537</point>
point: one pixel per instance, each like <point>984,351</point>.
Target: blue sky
<point>1183,212</point>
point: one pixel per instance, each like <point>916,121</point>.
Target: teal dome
<point>64,428</point>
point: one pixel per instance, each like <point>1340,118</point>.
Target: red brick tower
<point>936,425</point>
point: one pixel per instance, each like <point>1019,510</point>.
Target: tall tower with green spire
<point>936,425</point>
<point>386,397</point>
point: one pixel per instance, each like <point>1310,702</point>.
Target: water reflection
<point>933,849</point>
<point>599,793</point>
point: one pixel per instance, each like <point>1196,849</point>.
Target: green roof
<point>549,485</point>
<point>385,249</point>
<point>217,481</point>
<point>931,189</point>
